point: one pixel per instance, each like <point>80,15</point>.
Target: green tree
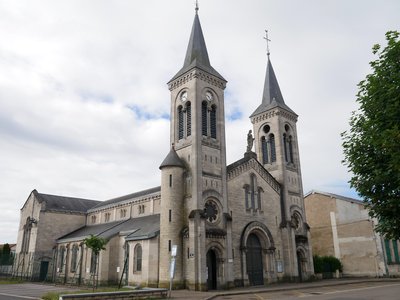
<point>96,244</point>
<point>372,145</point>
<point>6,257</point>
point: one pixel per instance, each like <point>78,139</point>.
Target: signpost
<point>172,267</point>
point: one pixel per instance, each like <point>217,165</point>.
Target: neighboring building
<point>235,225</point>
<point>341,227</point>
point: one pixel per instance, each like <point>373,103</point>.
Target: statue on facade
<point>250,141</point>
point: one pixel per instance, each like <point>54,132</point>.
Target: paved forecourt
<point>28,290</point>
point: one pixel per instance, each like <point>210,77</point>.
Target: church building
<point>221,225</point>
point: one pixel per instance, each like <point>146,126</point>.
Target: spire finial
<point>268,40</point>
<point>197,7</point>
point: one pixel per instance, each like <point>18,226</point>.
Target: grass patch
<point>56,295</point>
<point>10,281</point>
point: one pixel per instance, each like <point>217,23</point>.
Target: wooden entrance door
<point>211,270</point>
<point>254,260</point>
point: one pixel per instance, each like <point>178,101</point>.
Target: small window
<point>93,219</point>
<point>169,245</point>
<point>170,180</point>
<point>107,217</point>
<point>170,215</point>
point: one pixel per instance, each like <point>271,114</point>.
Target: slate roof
<point>272,96</point>
<point>172,160</point>
<point>196,53</point>
<point>126,198</point>
<point>136,228</point>
<point>65,204</point>
<point>348,199</point>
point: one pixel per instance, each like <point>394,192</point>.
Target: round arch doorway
<point>211,270</point>
<point>254,260</point>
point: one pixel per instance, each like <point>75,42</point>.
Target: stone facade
<point>231,225</point>
<point>341,227</point>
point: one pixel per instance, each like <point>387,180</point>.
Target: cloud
<point>84,105</point>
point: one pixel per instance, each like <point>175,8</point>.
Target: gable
<point>247,165</point>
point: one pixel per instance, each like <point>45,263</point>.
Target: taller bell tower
<point>197,136</point>
<point>274,125</point>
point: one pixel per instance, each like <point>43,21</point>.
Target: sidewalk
<point>275,287</point>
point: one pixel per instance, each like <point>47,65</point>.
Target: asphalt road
<point>359,291</point>
<point>27,291</point>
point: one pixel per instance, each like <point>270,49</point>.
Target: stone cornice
<point>277,111</point>
<point>197,73</point>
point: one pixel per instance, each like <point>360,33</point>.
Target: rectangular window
<point>396,252</point>
<point>388,253</point>
<point>169,245</point>
<point>170,180</point>
<point>170,215</point>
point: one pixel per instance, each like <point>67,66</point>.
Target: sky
<point>84,104</point>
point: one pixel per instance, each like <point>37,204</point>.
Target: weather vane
<point>197,6</point>
<point>268,40</point>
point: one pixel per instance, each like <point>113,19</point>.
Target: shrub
<point>326,264</point>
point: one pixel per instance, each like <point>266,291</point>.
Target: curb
<point>299,287</point>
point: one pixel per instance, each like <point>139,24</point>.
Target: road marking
<point>259,297</point>
<point>18,296</point>
<point>363,288</point>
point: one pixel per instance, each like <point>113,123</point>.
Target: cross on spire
<point>197,7</point>
<point>268,40</point>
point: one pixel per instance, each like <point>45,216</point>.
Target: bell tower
<point>197,133</point>
<point>274,125</point>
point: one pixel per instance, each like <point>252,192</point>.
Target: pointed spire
<point>196,53</point>
<point>272,96</point>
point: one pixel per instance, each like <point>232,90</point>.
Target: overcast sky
<point>84,105</point>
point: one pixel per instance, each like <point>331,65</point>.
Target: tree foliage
<point>95,243</point>
<point>372,144</point>
<point>6,256</point>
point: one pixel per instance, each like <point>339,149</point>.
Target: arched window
<point>93,263</point>
<point>137,258</point>
<point>180,123</point>
<point>27,235</point>
<point>213,122</point>
<point>246,196</point>
<point>188,119</point>
<point>264,150</point>
<point>204,118</point>
<point>285,147</point>
<point>61,258</point>
<point>272,145</point>
<point>260,190</point>
<point>253,185</point>
<point>290,144</point>
<point>74,257</point>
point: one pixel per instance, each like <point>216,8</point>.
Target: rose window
<point>211,211</point>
